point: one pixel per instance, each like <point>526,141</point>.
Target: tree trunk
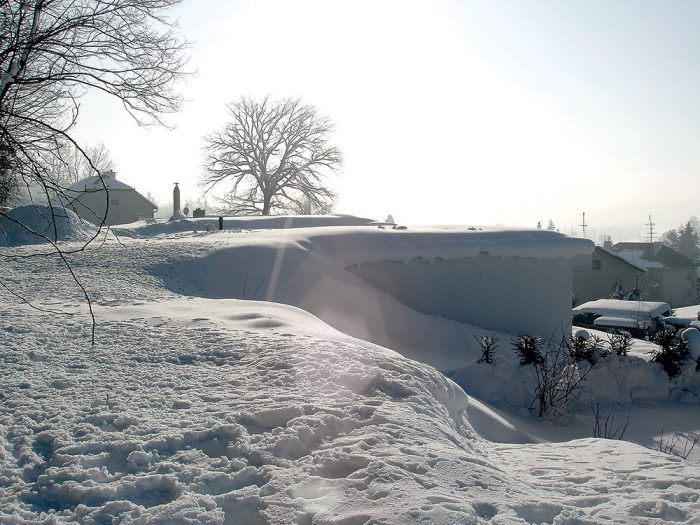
<point>267,204</point>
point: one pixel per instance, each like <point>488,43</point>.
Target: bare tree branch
<point>51,53</point>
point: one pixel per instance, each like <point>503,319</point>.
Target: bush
<point>673,350</point>
<point>620,343</point>
<point>558,379</point>
<point>584,348</point>
<point>488,347</point>
<point>529,349</point>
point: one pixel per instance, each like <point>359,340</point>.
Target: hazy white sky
<point>468,112</point>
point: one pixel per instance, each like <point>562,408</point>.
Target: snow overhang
<point>357,245</point>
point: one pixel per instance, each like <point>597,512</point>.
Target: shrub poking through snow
<point>488,347</point>
<point>673,350</point>
<point>529,349</point>
<point>606,428</point>
<point>620,343</point>
<point>558,378</point>
<point>584,348</point>
<point>670,444</point>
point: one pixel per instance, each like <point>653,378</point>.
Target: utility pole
<point>651,233</point>
<point>583,225</point>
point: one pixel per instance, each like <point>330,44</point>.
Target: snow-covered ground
<point>194,407</point>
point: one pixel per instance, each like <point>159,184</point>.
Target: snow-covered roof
<point>632,261</point>
<point>652,255</point>
<point>636,257</point>
<point>366,244</point>
<point>95,183</point>
<point>638,310</point>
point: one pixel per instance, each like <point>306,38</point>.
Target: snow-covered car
<point>640,318</point>
<point>682,317</point>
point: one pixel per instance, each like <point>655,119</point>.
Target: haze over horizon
<point>451,112</point>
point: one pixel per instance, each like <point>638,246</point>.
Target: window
<point>596,264</point>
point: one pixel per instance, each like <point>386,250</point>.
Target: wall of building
<point>677,286</point>
<point>125,206</point>
<point>595,280</point>
<point>509,294</point>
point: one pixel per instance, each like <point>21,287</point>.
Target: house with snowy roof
<point>670,276</point>
<point>596,276</point>
<point>88,199</point>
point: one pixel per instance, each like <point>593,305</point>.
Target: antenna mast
<point>583,225</point>
<point>651,233</point>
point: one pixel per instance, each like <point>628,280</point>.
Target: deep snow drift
<point>41,224</point>
<point>196,410</point>
<point>204,411</point>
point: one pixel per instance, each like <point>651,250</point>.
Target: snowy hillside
<point>195,407</point>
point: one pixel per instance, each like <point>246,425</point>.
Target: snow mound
<point>39,224</point>
<point>202,411</point>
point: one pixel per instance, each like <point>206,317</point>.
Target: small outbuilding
<point>670,276</point>
<point>595,276</point>
<point>88,199</point>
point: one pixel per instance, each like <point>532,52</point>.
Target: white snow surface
<point>199,408</point>
<point>41,224</point>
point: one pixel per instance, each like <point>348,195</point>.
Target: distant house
<point>596,278</point>
<point>88,199</point>
<point>670,276</point>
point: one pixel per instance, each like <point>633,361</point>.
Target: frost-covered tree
<point>551,225</point>
<point>305,206</point>
<point>618,290</point>
<point>670,238</point>
<point>73,166</point>
<point>276,154</point>
<point>688,241</point>
<point>684,240</point>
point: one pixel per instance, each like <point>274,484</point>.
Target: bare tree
<point>276,154</point>
<point>73,166</point>
<point>51,53</point>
